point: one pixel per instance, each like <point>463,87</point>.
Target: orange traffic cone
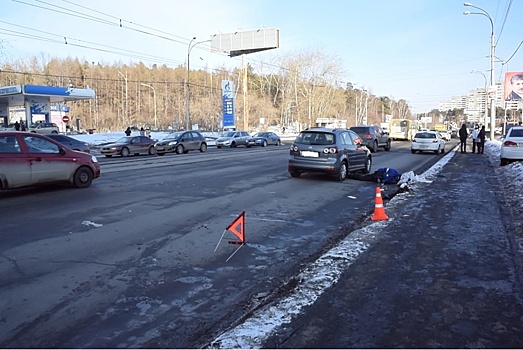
<point>379,210</point>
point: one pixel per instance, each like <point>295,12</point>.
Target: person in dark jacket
<point>17,126</point>
<point>128,131</point>
<point>481,137</point>
<point>463,134</point>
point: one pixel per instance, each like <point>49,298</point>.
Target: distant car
<point>428,141</point>
<point>512,146</point>
<point>129,145</point>
<point>28,159</point>
<point>264,139</point>
<point>373,136</point>
<point>334,152</point>
<point>10,127</point>
<point>44,128</point>
<point>444,133</point>
<point>181,142</point>
<point>72,143</point>
<point>233,139</point>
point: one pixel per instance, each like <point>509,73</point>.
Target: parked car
<point>181,142</point>
<point>512,146</point>
<point>264,139</point>
<point>44,128</point>
<point>28,159</point>
<point>428,141</point>
<point>129,145</point>
<point>10,127</point>
<point>373,136</point>
<point>334,152</point>
<point>72,143</point>
<point>445,134</point>
<point>233,139</point>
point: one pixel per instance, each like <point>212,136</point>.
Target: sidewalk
<point>441,273</point>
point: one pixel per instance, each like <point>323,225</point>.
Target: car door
<point>139,145</point>
<point>15,168</point>
<point>47,162</point>
<point>358,152</point>
<point>194,140</point>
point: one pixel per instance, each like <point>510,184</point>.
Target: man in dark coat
<point>463,134</point>
<point>17,126</point>
<point>481,137</point>
<point>128,131</point>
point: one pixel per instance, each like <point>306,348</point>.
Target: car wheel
<point>368,165</point>
<point>233,144</point>
<point>412,151</point>
<point>54,132</point>
<point>125,152</point>
<point>295,173</point>
<point>152,150</point>
<point>278,143</point>
<point>179,149</point>
<point>374,147</point>
<point>264,144</point>
<point>503,162</point>
<point>83,177</point>
<point>443,150</point>
<point>203,147</point>
<point>218,146</point>
<point>437,151</point>
<point>388,146</point>
<point>342,172</point>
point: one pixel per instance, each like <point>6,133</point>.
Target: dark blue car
<point>264,139</point>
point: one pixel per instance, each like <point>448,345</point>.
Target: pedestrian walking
<point>22,127</point>
<point>481,139</point>
<point>17,126</point>
<point>463,134</point>
<point>475,139</point>
<point>128,131</point>
<point>142,131</point>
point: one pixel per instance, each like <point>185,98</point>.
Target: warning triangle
<point>238,227</point>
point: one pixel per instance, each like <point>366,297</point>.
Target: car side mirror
<point>62,151</point>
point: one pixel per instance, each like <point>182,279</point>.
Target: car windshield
<point>173,136</point>
<point>316,138</point>
<point>261,134</point>
<point>125,139</point>
<point>360,130</point>
<point>425,135</point>
<point>228,134</point>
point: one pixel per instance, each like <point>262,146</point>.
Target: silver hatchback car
<point>233,139</point>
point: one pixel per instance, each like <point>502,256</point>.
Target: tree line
<point>292,91</point>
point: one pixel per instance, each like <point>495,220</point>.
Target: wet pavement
<point>445,271</point>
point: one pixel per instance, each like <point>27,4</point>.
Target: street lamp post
<point>485,115</point>
<point>154,99</point>
<point>187,110</point>
<point>126,95</point>
<point>492,49</point>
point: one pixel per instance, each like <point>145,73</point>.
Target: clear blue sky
<point>419,50</point>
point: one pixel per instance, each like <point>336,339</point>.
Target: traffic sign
<point>65,119</point>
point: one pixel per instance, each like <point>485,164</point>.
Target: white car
<point>233,139</point>
<point>445,134</point>
<point>512,145</point>
<point>428,141</point>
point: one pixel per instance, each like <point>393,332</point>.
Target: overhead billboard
<point>245,42</point>
<point>513,86</point>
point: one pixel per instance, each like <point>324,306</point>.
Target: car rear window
<point>425,135</point>
<point>516,133</point>
<point>360,130</point>
<point>316,138</point>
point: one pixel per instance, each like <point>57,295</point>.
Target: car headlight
<point>94,159</point>
<point>173,143</point>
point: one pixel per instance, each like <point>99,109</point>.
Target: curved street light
<point>492,49</point>
<point>187,110</point>
<point>154,99</point>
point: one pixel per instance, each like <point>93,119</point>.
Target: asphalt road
<point>131,261</point>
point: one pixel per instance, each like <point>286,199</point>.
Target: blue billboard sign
<point>228,103</point>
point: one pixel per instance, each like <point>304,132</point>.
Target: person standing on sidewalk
<point>475,139</point>
<point>481,139</point>
<point>463,134</point>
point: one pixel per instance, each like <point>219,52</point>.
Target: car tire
<point>264,144</point>
<point>443,150</point>
<point>437,151</point>
<point>179,149</point>
<point>278,143</point>
<point>374,147</point>
<point>368,165</point>
<point>503,162</point>
<point>54,132</point>
<point>203,147</point>
<point>412,151</point>
<point>218,146</point>
<point>233,144</point>
<point>83,177</point>
<point>342,171</point>
<point>388,146</point>
<point>152,150</point>
<point>295,173</point>
<point>125,152</point>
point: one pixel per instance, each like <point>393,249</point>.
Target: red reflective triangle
<point>233,227</point>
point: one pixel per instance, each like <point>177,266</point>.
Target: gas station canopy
<point>18,95</point>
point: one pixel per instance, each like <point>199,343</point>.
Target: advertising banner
<point>513,86</point>
<point>228,103</point>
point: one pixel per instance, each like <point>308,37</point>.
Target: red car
<point>29,159</point>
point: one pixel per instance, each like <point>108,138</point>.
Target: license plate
<point>520,144</point>
<point>309,154</point>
